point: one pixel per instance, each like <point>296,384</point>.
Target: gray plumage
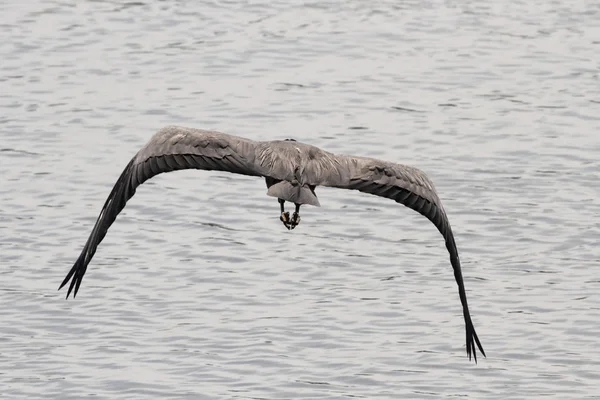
<point>291,169</point>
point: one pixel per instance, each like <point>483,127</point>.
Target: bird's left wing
<point>406,185</point>
<point>171,148</point>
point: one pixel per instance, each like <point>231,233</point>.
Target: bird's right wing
<point>406,185</point>
<point>171,148</point>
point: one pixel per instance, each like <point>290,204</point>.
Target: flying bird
<point>292,170</point>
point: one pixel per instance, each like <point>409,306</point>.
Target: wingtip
<point>478,344</point>
<point>71,286</point>
<point>471,349</point>
<point>72,274</point>
<point>63,285</point>
<point>471,353</point>
<point>69,293</point>
<point>64,282</point>
<point>473,342</point>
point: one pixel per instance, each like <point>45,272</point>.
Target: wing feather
<point>170,149</point>
<point>410,187</point>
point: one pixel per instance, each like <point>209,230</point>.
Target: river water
<point>199,292</point>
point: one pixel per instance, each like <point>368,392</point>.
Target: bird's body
<point>292,170</point>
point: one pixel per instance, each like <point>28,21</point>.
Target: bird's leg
<point>285,216</point>
<point>295,217</point>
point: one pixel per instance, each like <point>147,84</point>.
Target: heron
<point>292,170</point>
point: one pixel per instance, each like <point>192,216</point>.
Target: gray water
<point>199,292</point>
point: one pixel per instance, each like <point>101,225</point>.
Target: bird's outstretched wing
<point>406,185</point>
<point>171,148</point>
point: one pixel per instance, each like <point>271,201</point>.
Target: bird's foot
<point>294,221</point>
<point>285,218</point>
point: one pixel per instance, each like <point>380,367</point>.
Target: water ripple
<point>199,292</point>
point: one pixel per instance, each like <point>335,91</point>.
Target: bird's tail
<point>294,193</point>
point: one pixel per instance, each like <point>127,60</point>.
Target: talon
<point>295,220</point>
<point>285,218</point>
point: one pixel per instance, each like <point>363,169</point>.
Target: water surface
<point>199,292</point>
